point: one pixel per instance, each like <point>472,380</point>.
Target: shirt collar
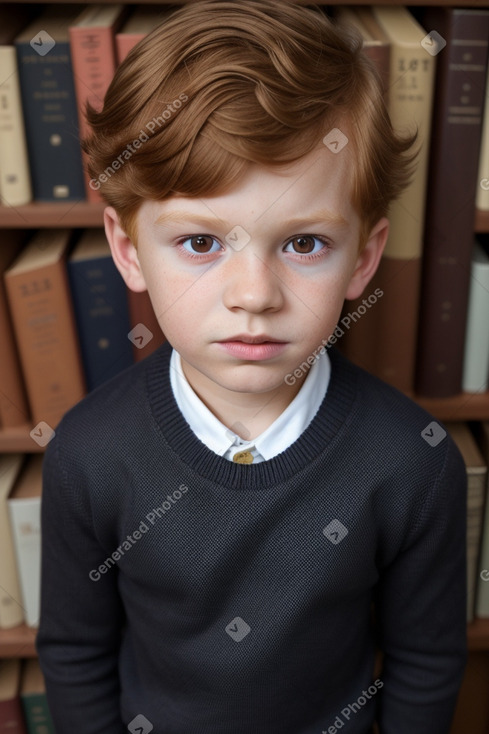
<point>277,437</point>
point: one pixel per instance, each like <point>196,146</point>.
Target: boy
<point>233,525</point>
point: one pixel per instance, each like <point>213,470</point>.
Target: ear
<point>368,260</point>
<point>123,252</point>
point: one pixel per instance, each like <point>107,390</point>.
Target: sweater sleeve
<point>81,619</point>
<point>421,610</point>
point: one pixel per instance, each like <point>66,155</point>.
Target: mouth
<point>248,339</point>
<point>247,348</point>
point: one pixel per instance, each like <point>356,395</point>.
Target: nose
<point>251,283</point>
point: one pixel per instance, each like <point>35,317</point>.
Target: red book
<point>92,44</point>
<point>11,715</point>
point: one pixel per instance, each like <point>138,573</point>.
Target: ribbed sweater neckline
<point>325,425</point>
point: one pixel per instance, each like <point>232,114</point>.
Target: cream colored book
<point>11,608</point>
<point>412,76</point>
<point>24,506</point>
<point>15,177</point>
<point>482,195</point>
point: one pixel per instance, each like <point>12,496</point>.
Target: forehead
<point>321,181</point>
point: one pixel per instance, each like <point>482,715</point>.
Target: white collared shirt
<point>276,438</point>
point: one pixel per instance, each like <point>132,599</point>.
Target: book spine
<point>25,521</point>
<point>12,719</point>
<point>11,611</point>
<point>36,714</point>
<point>102,315</point>
<point>14,408</point>
<point>455,144</point>
<point>45,331</point>
<point>49,105</point>
<point>476,352</point>
<point>125,42</point>
<point>93,55</point>
<point>482,196</point>
<point>15,180</point>
<point>412,74</point>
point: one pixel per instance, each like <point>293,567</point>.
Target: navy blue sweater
<point>194,595</point>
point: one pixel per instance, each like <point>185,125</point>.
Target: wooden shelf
<point>481,221</point>
<point>18,440</point>
<point>478,635</point>
<point>53,214</point>
<point>18,642</point>
<point>464,407</point>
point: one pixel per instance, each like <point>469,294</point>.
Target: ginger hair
<point>257,81</point>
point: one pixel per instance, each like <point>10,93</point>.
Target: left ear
<point>368,260</point>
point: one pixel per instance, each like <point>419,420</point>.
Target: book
<point>44,325</point>
<point>146,331</point>
<point>15,177</point>
<point>475,375</point>
<point>476,468</point>
<point>14,408</point>
<point>482,183</point>
<point>454,160</point>
<point>33,699</point>
<point>49,105</point>
<point>481,432</point>
<point>99,296</point>
<point>143,19</point>
<point>24,507</point>
<point>412,76</point>
<point>359,340</point>
<point>92,41</point>
<point>11,715</point>
<point>11,609</point>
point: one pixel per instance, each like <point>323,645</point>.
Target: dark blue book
<point>100,302</point>
<point>49,105</point>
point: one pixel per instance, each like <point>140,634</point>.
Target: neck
<point>246,414</point>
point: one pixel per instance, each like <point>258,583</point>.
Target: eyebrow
<point>323,216</point>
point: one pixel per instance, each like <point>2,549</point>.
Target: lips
<point>249,339</point>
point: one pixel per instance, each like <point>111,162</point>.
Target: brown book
<point>14,408</point>
<point>11,715</point>
<point>142,21</point>
<point>44,325</point>
<point>92,45</point>
<point>454,160</point>
<point>359,340</point>
<point>141,312</point>
<point>476,491</point>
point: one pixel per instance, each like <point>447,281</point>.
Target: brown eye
<point>303,245</point>
<point>201,243</point>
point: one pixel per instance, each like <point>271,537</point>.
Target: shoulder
<point>393,426</point>
<point>110,413</point>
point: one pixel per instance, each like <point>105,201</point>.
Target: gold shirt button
<point>243,457</point>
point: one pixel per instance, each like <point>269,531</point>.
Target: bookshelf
<point>20,641</point>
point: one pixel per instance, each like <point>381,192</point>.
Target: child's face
<point>276,256</point>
